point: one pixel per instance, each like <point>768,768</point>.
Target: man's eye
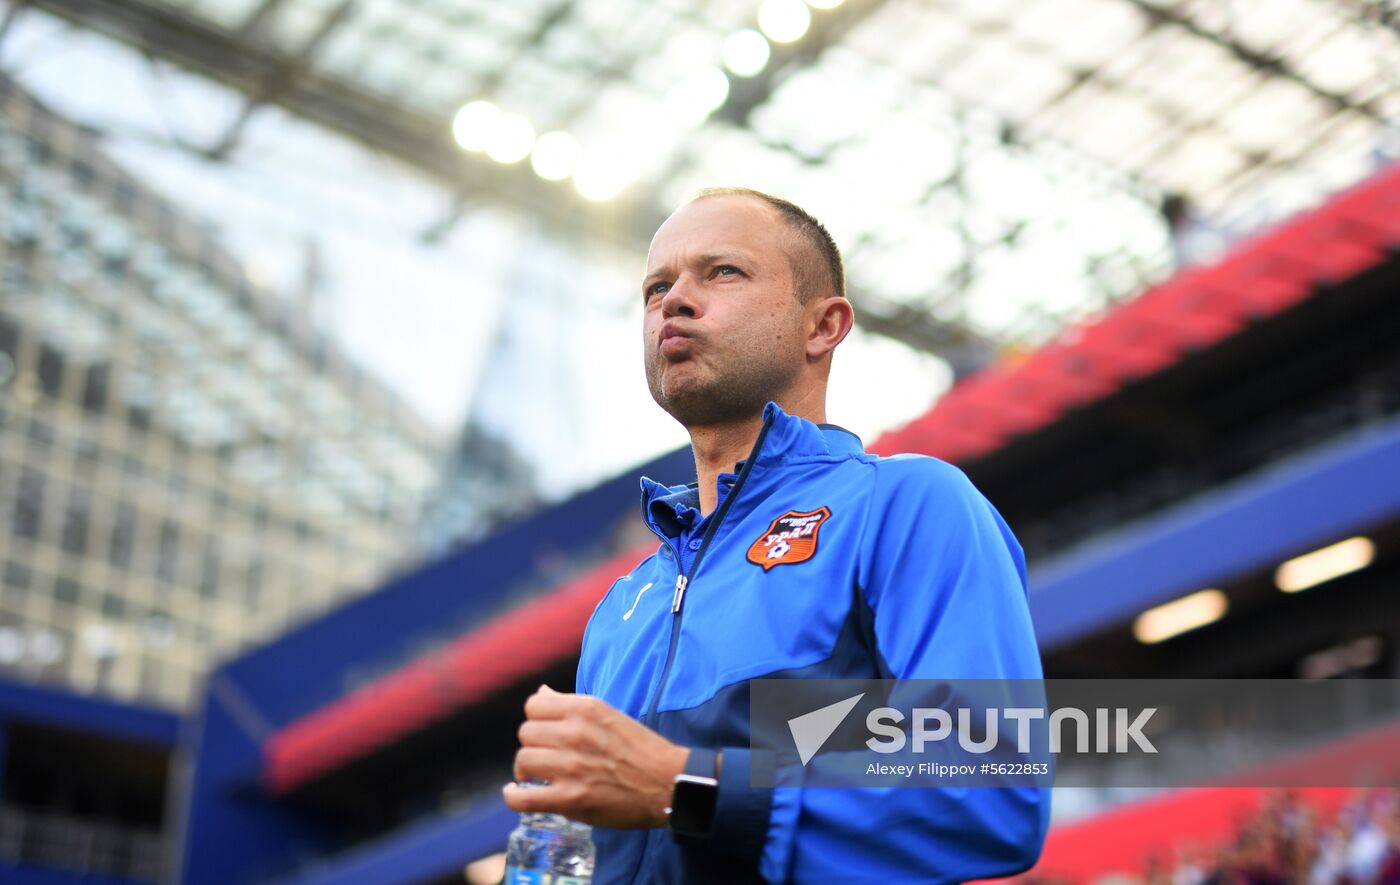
<point>726,270</point>
<point>657,289</point>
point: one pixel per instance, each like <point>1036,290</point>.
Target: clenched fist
<point>603,766</point>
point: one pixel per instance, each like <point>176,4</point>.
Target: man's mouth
<point>675,345</point>
<point>674,341</point>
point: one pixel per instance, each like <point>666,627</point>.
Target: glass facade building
<point>186,466</point>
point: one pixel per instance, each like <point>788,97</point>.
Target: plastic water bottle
<point>550,849</point>
<point>573,861</point>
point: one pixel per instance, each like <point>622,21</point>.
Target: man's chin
<point>699,405</point>
<point>685,403</point>
<point>680,381</point>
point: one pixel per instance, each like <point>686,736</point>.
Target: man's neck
<point>718,447</point>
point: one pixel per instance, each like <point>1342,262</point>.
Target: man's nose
<point>680,299</point>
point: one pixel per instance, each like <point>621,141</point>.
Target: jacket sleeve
<point>945,581</point>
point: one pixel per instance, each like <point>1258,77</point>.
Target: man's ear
<point>831,320</point>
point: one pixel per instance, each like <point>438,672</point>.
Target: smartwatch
<point>692,809</point>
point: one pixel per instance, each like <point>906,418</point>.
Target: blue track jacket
<point>881,568</point>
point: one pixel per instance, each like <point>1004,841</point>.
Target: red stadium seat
<point>1188,315</point>
<point>1371,210</point>
<point>1059,378</point>
<point>1329,246</point>
<point>1262,283</point>
<point>1122,347</point>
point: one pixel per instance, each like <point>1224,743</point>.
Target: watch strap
<point>701,762</point>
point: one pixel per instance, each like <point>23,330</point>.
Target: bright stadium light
<point>511,139</point>
<point>556,156</point>
<point>604,175</point>
<point>474,124</point>
<point>784,20</point>
<point>745,52</point>
<point>696,96</point>
<point>1180,615</point>
<point>1329,562</point>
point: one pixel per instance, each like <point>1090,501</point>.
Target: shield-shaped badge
<point>791,538</point>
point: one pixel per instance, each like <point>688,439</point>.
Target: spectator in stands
<point>1367,848</point>
<point>1389,870</point>
<point>1194,239</point>
<point>1192,864</point>
<point>1286,842</point>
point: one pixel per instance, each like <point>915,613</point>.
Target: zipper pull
<point>681,581</point>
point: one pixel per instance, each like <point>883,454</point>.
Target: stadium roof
<point>992,168</point>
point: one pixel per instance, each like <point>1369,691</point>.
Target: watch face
<point>693,804</point>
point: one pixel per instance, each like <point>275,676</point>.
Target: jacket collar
<point>789,438</point>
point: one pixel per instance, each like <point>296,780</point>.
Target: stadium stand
<point>1195,837</point>
<point>82,794</point>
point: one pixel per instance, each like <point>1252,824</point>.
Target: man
<point>795,555</point>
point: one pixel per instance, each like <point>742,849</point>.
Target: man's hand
<point>603,766</point>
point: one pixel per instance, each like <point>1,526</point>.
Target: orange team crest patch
<point>790,538</point>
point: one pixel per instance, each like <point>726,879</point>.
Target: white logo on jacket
<point>644,589</point>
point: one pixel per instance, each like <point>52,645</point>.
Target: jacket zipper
<point>683,580</point>
<point>678,597</point>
